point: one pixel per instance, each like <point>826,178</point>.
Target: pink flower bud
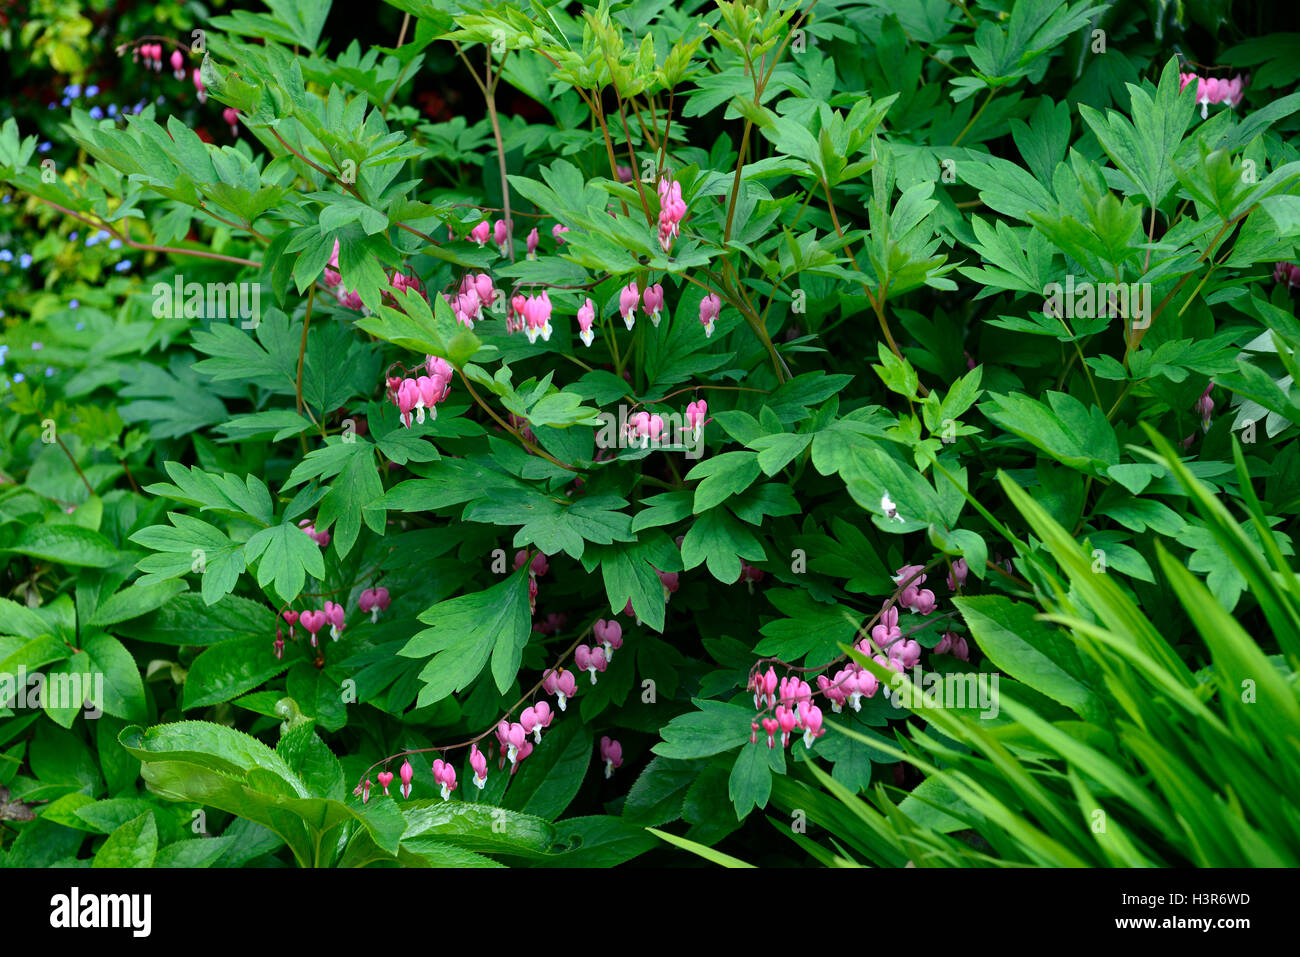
<point>627,301</point>
<point>710,308</point>
<point>611,752</point>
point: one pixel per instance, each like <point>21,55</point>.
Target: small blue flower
<point>6,256</point>
<point>25,261</point>
<point>91,240</point>
<point>72,236</point>
<point>18,377</point>
<point>112,109</point>
<point>51,106</point>
<point>37,346</point>
<point>92,90</point>
<point>74,304</point>
<point>73,89</point>
<point>161,100</point>
<point>44,147</point>
<point>80,326</point>
<point>65,102</point>
<point>49,371</point>
<point>6,199</point>
<point>138,107</point>
<point>96,113</point>
<point>123,266</point>
<point>3,350</point>
<point>115,244</point>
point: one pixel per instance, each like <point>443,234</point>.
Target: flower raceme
<point>413,396</point>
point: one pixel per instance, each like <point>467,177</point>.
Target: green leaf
<point>285,556</point>
<point>553,774</point>
<point>228,669</point>
<point>1028,650</point>
<point>123,688</point>
<point>716,727</point>
<point>65,544</point>
<point>723,476</point>
<point>750,784</point>
<point>465,631</point>
<point>134,844</point>
<point>721,540</point>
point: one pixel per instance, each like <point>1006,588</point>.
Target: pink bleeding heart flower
<point>539,565</point>
<point>534,719</point>
<point>178,65</point>
<point>373,600</point>
<point>695,415</point>
<point>957,577</point>
<point>609,634</point>
<point>787,720</point>
<point>557,233</point>
<point>532,243</point>
<point>408,397</point>
<point>479,763</point>
<point>627,302</point>
<point>291,617</point>
<point>277,646</point>
<point>590,660</point>
<point>198,85</point>
<point>586,317</point>
<point>481,232</point>
<point>906,652</point>
<point>1205,406</point>
<point>501,235</point>
<point>407,774</point>
<point>611,752</point>
<point>336,616</point>
<point>639,427</point>
<point>886,632</point>
<point>710,308</point>
<point>953,644</point>
<point>363,789</point>
<point>385,779</point>
<point>670,582</point>
<point>561,684</point>
<point>313,621</point>
<point>771,726</point>
<point>812,725</point>
<point>749,575</point>
<point>654,302</point>
<point>444,774</point>
<point>537,317</point>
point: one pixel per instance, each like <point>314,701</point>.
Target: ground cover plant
<point>793,434</point>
